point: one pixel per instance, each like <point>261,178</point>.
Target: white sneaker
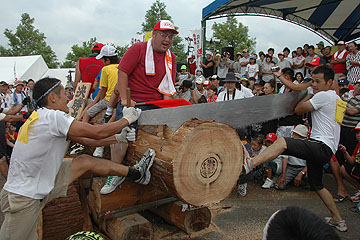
<point>144,166</point>
<point>242,189</point>
<point>98,152</point>
<point>111,184</point>
<point>268,183</point>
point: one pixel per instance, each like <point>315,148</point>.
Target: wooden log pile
<point>198,164</point>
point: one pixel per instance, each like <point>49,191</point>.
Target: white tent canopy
<point>26,67</point>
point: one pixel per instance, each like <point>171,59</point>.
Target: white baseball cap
<point>301,130</point>
<point>107,51</point>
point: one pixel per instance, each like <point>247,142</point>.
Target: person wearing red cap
<point>149,70</point>
<point>88,68</point>
<point>275,166</point>
<point>338,60</point>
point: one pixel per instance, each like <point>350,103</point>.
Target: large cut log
<point>126,195</point>
<point>130,227</point>
<point>63,216</point>
<point>198,164</point>
<point>189,219</point>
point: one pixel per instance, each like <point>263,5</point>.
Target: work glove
<point>131,114</point>
<point>25,101</point>
<point>126,135</point>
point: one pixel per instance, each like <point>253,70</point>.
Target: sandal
<point>339,225</point>
<point>339,199</point>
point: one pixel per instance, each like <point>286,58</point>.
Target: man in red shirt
<point>145,85</point>
<point>191,65</point>
<point>338,60</point>
<point>88,68</point>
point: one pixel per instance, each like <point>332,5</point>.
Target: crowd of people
<point>281,153</point>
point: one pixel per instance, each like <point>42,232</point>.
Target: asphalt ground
<point>245,217</point>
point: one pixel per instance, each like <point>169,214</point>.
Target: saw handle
<point>128,97</point>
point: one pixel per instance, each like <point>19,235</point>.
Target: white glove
<point>131,114</point>
<point>126,135</point>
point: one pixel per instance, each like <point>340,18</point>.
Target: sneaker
<point>242,189</point>
<point>111,184</point>
<point>339,225</point>
<point>99,151</point>
<point>355,198</point>
<point>144,166</point>
<point>268,183</point>
<point>77,149</point>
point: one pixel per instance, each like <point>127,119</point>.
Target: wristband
<point>302,172</point>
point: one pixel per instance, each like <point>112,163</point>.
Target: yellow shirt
<point>109,78</point>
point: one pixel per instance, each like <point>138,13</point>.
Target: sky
<point>69,22</point>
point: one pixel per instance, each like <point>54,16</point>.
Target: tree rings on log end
<point>208,163</point>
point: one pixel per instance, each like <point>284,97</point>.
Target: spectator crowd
<point>218,78</point>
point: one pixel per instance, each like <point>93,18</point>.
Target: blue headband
<point>47,92</point>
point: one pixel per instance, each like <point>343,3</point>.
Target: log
<point>63,216</point>
<point>190,220</point>
<point>198,164</point>
<point>126,195</point>
<point>130,227</point>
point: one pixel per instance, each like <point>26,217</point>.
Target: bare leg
<point>335,167</point>
<point>349,178</point>
<point>327,199</point>
<point>272,152</point>
<point>269,173</point>
<point>4,168</point>
<point>102,167</point>
<point>118,152</point>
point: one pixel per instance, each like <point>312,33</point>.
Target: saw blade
<point>236,113</point>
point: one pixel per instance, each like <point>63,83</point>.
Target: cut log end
<point>208,164</point>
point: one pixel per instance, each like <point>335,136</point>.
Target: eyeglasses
<point>164,35</point>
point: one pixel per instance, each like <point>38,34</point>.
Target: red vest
<point>89,69</point>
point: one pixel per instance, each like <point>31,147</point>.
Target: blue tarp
<point>333,19</point>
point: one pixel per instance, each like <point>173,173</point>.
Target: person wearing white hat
<point>294,169</point>
<point>338,60</point>
<point>199,90</point>
<point>208,65</point>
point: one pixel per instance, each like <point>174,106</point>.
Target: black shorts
<point>315,153</point>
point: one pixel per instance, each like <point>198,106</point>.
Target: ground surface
<point>245,217</point>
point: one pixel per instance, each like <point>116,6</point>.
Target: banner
<point>197,40</point>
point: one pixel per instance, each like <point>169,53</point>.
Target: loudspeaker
<point>230,50</point>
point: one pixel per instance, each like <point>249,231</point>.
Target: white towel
<point>339,55</point>
<point>166,86</point>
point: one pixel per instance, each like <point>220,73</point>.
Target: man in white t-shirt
<point>38,173</point>
<point>244,61</point>
<point>299,61</point>
<point>323,142</point>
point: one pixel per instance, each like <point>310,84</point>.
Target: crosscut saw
<point>236,113</point>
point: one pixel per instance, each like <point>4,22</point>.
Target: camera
<point>275,69</point>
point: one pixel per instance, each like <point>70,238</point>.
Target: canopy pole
<point>203,29</point>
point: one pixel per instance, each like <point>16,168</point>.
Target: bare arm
<point>15,109</point>
<point>194,97</point>
<point>81,129</point>
<point>351,111</point>
<point>94,143</point>
<point>304,105</point>
<point>122,86</point>
<point>291,85</point>
<point>350,159</point>
<point>77,75</point>
<point>12,118</point>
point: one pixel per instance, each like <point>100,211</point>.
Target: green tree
<point>233,33</point>
<point>84,51</point>
<point>77,52</point>
<point>156,13</point>
<point>28,41</point>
